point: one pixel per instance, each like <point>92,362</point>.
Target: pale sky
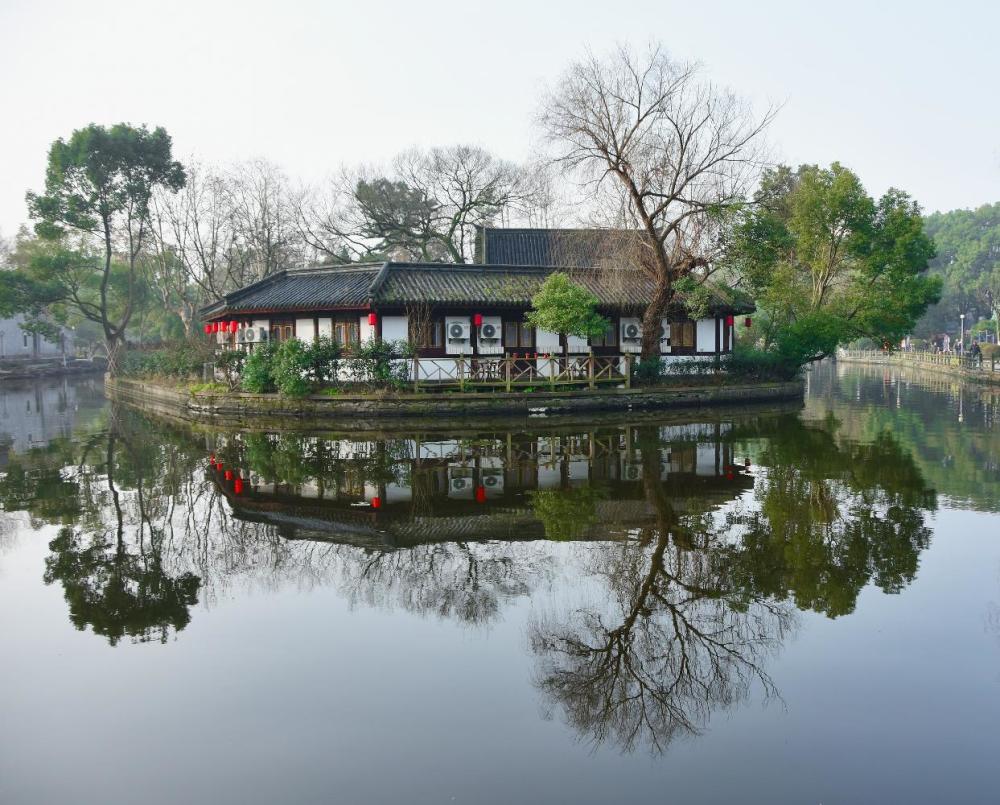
<point>903,92</point>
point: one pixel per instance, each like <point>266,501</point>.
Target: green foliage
<point>697,298</point>
<point>566,514</point>
<point>561,306</point>
<point>178,359</point>
<point>290,367</point>
<point>98,185</point>
<point>258,377</point>
<point>968,263</point>
<point>381,363</point>
<point>295,368</point>
<point>828,264</point>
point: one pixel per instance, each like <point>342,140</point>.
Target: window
<point>281,331</point>
<point>346,332</point>
<point>25,340</point>
<point>518,334</point>
<point>431,337</point>
<point>609,339</point>
<point>682,335</point>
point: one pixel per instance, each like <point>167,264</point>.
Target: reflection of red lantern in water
<point>219,465</point>
<point>238,486</point>
<point>229,475</point>
<point>480,494</point>
<point>376,502</point>
<point>730,476</point>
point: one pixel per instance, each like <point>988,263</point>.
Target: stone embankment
<point>258,410</point>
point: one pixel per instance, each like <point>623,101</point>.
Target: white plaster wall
<point>577,345</point>
<point>395,328</point>
<point>366,332</point>
<point>705,460</point>
<point>546,341</point>
<point>305,330</point>
<point>326,328</point>
<point>397,493</point>
<point>705,335</point>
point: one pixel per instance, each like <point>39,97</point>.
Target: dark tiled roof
<point>358,286</point>
<point>304,289</point>
<point>477,284</point>
<point>567,248</point>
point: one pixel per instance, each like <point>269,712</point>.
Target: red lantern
<point>747,322</point>
<point>480,494</point>
<point>211,458</point>
<point>729,321</point>
<point>478,320</point>
<point>208,329</point>
<point>238,486</point>
<point>228,475</point>
<point>376,502</point>
<point>219,465</point>
<point>234,326</point>
<point>372,319</point>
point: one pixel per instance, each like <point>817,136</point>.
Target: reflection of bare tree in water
<point>466,581</point>
<point>679,643</point>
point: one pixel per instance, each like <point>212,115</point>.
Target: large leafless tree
<point>660,151</point>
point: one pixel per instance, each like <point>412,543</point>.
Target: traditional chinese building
<point>477,310</point>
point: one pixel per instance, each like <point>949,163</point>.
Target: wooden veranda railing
<point>512,372</point>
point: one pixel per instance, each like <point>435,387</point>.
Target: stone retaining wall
<point>261,409</point>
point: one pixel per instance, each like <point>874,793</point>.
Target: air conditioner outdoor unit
<point>493,479</point>
<point>632,472</point>
<point>630,331</point>
<point>460,484</point>
<point>458,331</point>
<point>489,332</point>
<point>249,335</point>
<point>665,332</point>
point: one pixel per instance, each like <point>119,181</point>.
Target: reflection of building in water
<point>414,490</point>
<point>33,413</point>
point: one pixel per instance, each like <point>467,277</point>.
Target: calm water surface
<point>786,606</point>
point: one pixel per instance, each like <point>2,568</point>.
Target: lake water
<point>783,606</point>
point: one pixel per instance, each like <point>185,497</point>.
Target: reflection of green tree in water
<point>566,513</point>
<point>112,573</point>
<point>116,592</point>
<point>700,602</point>
<point>832,516</point>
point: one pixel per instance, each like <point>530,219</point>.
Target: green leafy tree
<point>98,186</point>
<point>968,262</point>
<point>561,306</point>
<point>829,264</point>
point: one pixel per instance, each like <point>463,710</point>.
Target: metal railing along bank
<point>917,358</point>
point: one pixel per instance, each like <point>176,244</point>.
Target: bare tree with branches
<point>659,151</point>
